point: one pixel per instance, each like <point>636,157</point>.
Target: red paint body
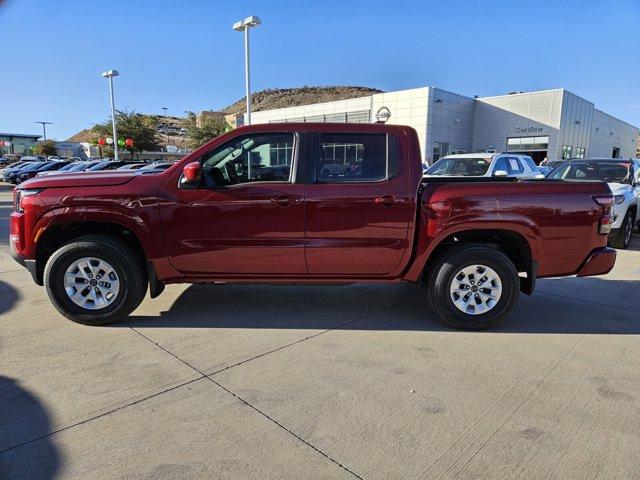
<point>317,232</point>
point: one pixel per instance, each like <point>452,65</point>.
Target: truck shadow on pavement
<point>8,297</point>
<point>24,419</point>
<point>571,308</point>
<point>5,210</point>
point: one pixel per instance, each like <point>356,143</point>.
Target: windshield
<point>98,166</point>
<point>68,167</point>
<point>460,167</point>
<point>610,172</point>
<point>156,166</point>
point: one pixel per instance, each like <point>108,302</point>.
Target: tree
<point>199,133</point>
<point>46,148</point>
<point>141,128</point>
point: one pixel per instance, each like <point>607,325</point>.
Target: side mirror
<point>500,173</point>
<point>191,174</point>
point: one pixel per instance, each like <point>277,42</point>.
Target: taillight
<point>606,219</point>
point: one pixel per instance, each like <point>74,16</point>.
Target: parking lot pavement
<point>322,382</point>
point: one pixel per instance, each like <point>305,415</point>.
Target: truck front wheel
<point>473,287</point>
<point>95,280</point>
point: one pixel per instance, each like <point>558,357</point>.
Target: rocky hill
<point>293,97</point>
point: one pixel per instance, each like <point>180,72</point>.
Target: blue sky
<point>184,54</point>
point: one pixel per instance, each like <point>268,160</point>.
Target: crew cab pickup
<point>266,204</point>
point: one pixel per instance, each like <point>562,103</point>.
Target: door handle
<point>385,200</point>
<point>283,200</point>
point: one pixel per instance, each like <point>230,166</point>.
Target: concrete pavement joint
<point>524,400</point>
<point>104,414</point>
<point>337,327</point>
<point>328,457</point>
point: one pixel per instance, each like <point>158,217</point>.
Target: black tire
<point>127,265</point>
<point>621,237</point>
<point>443,273</point>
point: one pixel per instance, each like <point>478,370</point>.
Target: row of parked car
<point>622,176</point>
<point>30,167</point>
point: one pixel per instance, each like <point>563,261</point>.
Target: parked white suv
<point>485,165</point>
<point>623,177</point>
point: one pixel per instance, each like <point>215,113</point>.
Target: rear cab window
<point>356,157</point>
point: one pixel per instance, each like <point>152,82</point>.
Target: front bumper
<point>25,262</point>
<point>619,211</point>
<point>599,262</point>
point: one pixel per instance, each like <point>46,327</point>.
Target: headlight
<point>21,195</point>
<point>618,199</point>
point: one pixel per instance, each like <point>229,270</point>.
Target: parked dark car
<point>9,173</point>
<point>108,165</point>
<point>73,167</point>
<point>156,167</point>
<point>548,167</point>
<point>133,166</point>
<point>46,167</point>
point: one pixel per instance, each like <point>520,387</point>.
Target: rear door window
<point>356,157</point>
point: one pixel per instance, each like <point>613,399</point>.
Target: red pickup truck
<point>268,204</point>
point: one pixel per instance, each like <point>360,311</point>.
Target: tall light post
<point>244,26</point>
<point>44,129</point>
<point>166,130</point>
<point>110,74</point>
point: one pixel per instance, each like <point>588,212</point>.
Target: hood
<point>97,179</point>
<point>619,188</point>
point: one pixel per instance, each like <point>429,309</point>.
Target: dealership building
<point>554,124</point>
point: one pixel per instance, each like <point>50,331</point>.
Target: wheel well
<point>59,235</point>
<point>510,243</point>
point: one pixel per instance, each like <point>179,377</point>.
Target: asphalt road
<point>263,382</point>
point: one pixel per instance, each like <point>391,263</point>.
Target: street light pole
<point>110,74</point>
<point>247,75</point>
<point>244,26</point>
<point>44,129</point>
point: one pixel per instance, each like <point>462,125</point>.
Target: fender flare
<point>508,222</point>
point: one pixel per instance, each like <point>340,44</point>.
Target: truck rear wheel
<point>95,280</point>
<point>473,287</point>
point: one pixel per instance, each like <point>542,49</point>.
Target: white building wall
<point>575,126</point>
<point>450,119</point>
<point>534,114</point>
<point>608,132</point>
<point>408,107</point>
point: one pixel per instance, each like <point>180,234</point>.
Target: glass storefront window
<point>566,152</point>
<point>527,144</point>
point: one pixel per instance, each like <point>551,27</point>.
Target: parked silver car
<point>623,177</point>
<point>485,165</point>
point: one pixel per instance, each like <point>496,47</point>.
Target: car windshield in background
<point>610,172</point>
<point>98,166</point>
<point>460,167</point>
<point>68,167</point>
<point>156,167</point>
